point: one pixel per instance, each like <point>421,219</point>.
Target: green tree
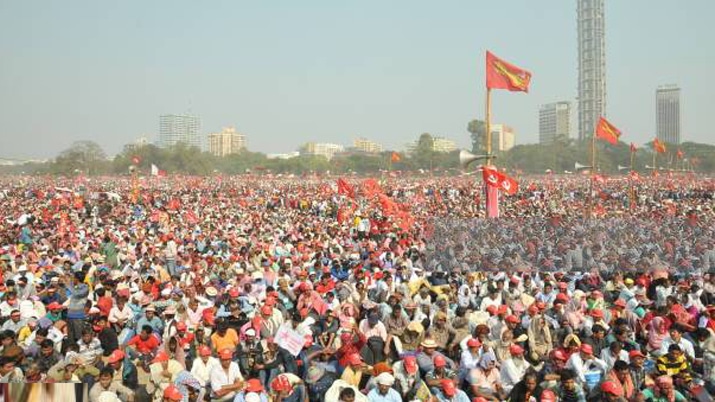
<point>81,157</point>
<point>478,131</point>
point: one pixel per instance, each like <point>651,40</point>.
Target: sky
<point>288,72</point>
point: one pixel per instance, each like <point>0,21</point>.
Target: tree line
<point>88,158</point>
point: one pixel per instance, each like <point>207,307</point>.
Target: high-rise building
<point>667,109</point>
<point>503,138</point>
<point>367,146</point>
<point>441,144</point>
<point>175,128</point>
<point>554,122</point>
<point>227,142</point>
<point>591,65</point>
<point>323,149</point>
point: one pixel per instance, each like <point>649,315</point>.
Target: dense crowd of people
<point>297,289</point>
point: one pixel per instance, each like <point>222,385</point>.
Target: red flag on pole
<point>680,153</point>
<point>502,75</point>
<point>346,188</point>
<point>395,157</point>
<point>658,146</point>
<point>633,147</point>
<point>607,131</point>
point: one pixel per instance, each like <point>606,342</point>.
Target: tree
<point>82,156</point>
<point>424,152</point>
<point>478,131</point>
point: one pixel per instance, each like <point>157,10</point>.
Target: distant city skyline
<point>290,73</point>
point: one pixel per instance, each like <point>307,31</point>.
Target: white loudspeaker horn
<point>465,158</point>
<point>579,166</point>
<point>622,168</point>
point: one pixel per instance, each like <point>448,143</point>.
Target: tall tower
<point>591,65</point>
<point>667,110</point>
<point>175,128</point>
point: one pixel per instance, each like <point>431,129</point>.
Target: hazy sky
<point>286,72</point>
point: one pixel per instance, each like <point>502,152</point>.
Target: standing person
<point>75,312</point>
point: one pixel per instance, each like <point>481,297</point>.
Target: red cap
<point>562,297</point>
<point>254,385</point>
<point>635,353</point>
<point>162,356</point>
<point>233,293</point>
<point>559,355</point>
<point>439,361</point>
<point>473,343</point>
<point>620,303</point>
<point>448,387</point>
<point>492,309</point>
<point>480,399</point>
<point>116,356</point>
<point>410,363</point>
<point>512,319</point>
<point>173,393</point>
<point>204,350</point>
<point>502,309</point>
<point>208,316</point>
<point>354,359</point>
<point>516,350</point>
<point>281,384</point>
<point>586,348</point>
<point>548,395</point>
<point>610,387</point>
<point>225,354</point>
<point>181,326</point>
<point>597,313</point>
<point>266,310</point>
<point>54,306</point>
<point>541,305</point>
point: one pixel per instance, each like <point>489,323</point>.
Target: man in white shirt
<point>581,362</point>
<point>202,367</point>
<point>513,369</point>
<point>226,378</point>
<point>676,338</point>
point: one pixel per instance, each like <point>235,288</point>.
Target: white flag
<point>154,170</point>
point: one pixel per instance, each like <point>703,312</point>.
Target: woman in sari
<point>657,331</point>
<point>540,342</point>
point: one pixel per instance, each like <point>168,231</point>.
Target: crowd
<point>292,289</point>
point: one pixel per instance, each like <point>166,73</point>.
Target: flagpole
<point>488,192</point>
<point>630,179</point>
<point>593,172</point>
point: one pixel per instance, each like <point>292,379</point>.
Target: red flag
<point>509,185</point>
<point>136,160</point>
<point>607,131</point>
<point>372,188</point>
<point>658,146</point>
<point>395,157</point>
<point>345,188</point>
<point>633,147</point>
<point>500,180</point>
<point>502,75</point>
<point>680,153</point>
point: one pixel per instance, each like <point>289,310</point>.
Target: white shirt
<point>580,367</point>
<point>685,345</point>
<point>219,377</point>
<point>610,360</point>
<point>202,371</point>
<point>469,360</point>
<point>511,373</point>
<point>116,315</point>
